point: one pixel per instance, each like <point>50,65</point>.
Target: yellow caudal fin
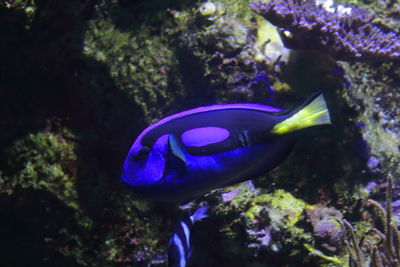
<point>315,113</point>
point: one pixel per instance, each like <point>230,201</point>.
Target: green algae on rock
<point>285,209</point>
<point>44,161</point>
<point>368,245</point>
<point>27,7</point>
<point>44,166</point>
<point>374,95</point>
<point>41,174</point>
<point>270,223</point>
<point>222,46</point>
<point>142,65</point>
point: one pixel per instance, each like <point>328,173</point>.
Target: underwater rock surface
<point>79,80</point>
<point>344,32</point>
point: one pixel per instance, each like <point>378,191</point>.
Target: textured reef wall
<point>79,80</point>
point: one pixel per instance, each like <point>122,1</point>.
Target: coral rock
<point>343,33</point>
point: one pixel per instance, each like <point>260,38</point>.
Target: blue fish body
<point>179,248</point>
<point>190,153</point>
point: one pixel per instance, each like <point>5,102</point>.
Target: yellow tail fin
<point>315,113</point>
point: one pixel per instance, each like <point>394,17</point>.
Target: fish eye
<point>141,156</point>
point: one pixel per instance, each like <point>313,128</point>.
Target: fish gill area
<point>79,80</point>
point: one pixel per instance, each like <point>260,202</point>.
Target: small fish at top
<point>179,248</point>
<point>190,153</point>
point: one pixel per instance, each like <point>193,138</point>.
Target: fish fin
<point>176,157</point>
<point>189,254</point>
<point>313,112</point>
<point>199,214</point>
<point>177,148</point>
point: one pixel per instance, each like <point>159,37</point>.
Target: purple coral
<point>343,35</point>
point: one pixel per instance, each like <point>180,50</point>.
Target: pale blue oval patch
<point>204,136</point>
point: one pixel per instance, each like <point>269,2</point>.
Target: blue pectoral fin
<point>199,214</point>
<point>177,148</point>
<point>176,156</point>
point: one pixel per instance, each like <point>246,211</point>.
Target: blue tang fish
<point>179,248</point>
<point>190,153</point>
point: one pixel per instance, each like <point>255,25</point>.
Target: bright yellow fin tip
<point>315,113</point>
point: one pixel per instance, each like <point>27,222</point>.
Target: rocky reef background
<point>79,80</point>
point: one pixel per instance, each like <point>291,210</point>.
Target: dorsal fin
<point>199,214</point>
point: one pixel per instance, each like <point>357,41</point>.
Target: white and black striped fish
<point>179,248</point>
